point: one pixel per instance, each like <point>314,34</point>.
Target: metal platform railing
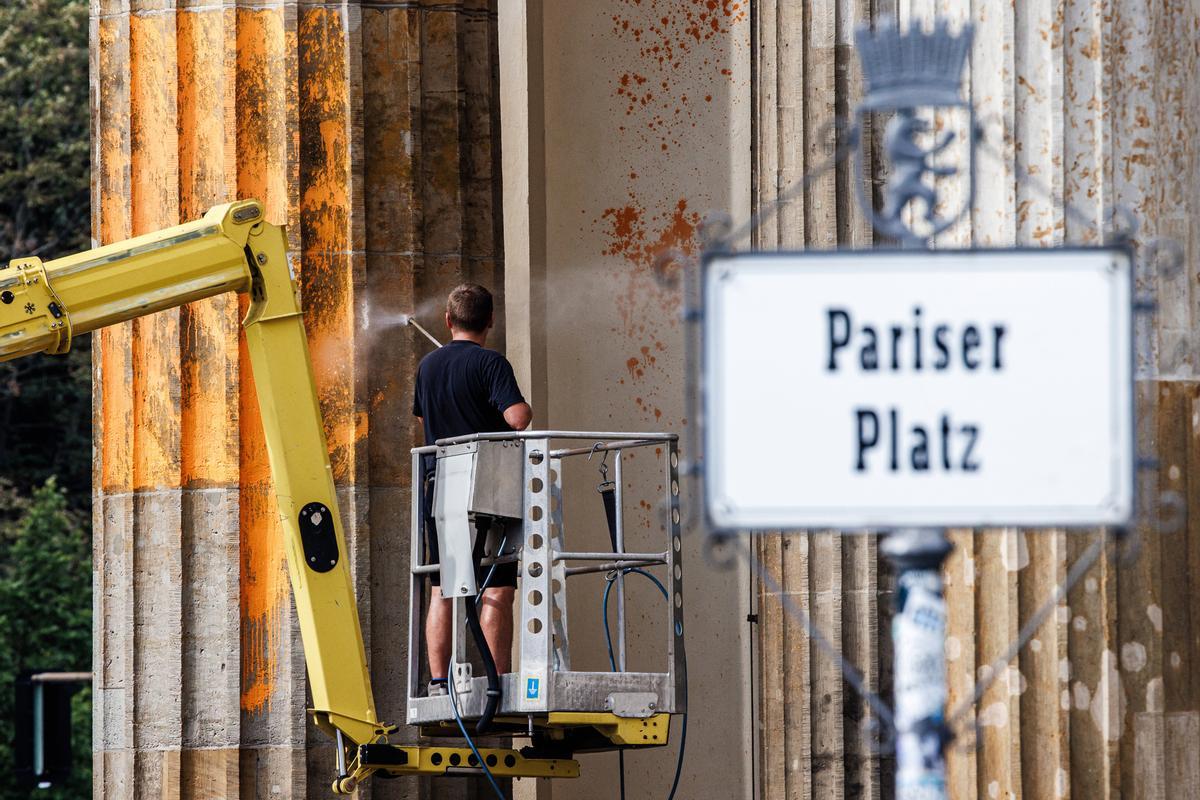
<point>543,681</point>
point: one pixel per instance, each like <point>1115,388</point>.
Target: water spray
<point>407,319</point>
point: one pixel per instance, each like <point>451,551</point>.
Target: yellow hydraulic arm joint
<point>650,731</point>
<point>435,760</point>
<point>42,305</point>
<point>232,248</point>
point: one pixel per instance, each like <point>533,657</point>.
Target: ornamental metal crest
<point>915,76</point>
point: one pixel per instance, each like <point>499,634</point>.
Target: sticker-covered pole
<point>918,641</point>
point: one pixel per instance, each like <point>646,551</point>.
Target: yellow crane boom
<point>232,248</point>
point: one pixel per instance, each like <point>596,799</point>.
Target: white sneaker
<point>438,689</point>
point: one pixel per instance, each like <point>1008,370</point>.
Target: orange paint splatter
<point>633,238</point>
<point>660,116</point>
<point>694,32</point>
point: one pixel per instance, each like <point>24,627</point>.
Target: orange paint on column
<point>639,239</point>
<point>328,294</point>
<point>154,122</point>
<point>327,277</point>
<point>155,182</point>
<point>209,328</point>
<point>324,131</point>
<point>116,374</point>
<point>264,580</point>
<point>111,174</point>
<point>207,80</point>
<point>265,115</point>
<point>265,111</point>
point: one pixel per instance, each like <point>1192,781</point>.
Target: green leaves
<point>45,585</point>
<point>44,122</point>
<point>45,401</point>
<point>46,421</point>
<point>45,614</point>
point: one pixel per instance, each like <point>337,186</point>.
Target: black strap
<point>608,495</point>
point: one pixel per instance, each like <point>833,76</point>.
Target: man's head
<point>469,309</point>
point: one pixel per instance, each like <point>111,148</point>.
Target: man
<point>464,388</point>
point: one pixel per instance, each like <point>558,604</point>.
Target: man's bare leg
<point>496,619</point>
<point>437,633</point>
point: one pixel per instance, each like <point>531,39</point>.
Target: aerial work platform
<point>513,481</point>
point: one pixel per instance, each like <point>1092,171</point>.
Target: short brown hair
<point>470,308</point>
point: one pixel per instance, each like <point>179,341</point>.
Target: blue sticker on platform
<point>532,688</point>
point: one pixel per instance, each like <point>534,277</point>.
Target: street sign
<point>943,388</point>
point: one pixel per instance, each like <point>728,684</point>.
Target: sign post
<point>919,657</point>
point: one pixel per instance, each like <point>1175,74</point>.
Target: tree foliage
<point>45,422</point>
<point>45,211</point>
<point>45,615</point>
<point>45,414</point>
<point>44,113</point>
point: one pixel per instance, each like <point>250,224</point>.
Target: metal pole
<point>919,661</point>
<point>620,532</point>
<point>39,729</point>
<point>618,554</point>
<point>428,335</point>
<point>341,754</point>
<point>460,673</point>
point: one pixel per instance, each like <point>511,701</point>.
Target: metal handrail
<point>610,566</point>
<point>426,569</point>
<point>508,436</point>
<point>600,447</point>
<point>589,556</point>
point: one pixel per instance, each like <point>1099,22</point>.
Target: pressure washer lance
<point>408,320</point>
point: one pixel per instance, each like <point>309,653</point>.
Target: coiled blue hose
<point>612,662</point>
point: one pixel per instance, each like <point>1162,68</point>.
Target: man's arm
<point>505,395</point>
<point>518,416</point>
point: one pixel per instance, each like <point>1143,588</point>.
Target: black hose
<point>489,666</point>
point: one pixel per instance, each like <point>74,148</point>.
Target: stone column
<point>1087,102</point>
<point>371,131</point>
<point>624,122</point>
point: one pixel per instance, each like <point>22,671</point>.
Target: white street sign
<point>942,389</point>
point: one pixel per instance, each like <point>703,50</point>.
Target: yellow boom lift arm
<point>43,306</point>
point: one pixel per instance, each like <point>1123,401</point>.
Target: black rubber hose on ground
<point>489,667</point>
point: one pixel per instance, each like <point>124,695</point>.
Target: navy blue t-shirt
<point>463,388</point>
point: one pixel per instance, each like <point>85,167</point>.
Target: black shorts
<point>504,575</point>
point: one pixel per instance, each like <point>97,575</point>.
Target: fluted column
<point>811,742</point>
<point>370,129</point>
<point>1091,102</point>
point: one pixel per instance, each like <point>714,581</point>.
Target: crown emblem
<point>912,68</point>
